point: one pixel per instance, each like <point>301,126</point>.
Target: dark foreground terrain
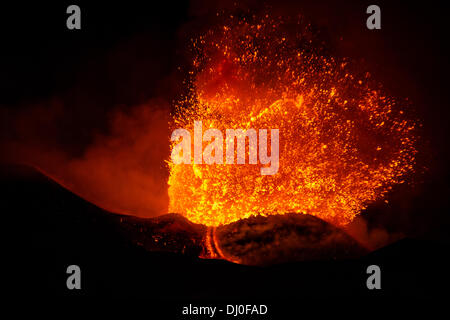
<point>46,228</point>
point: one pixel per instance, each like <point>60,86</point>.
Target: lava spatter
<point>343,142</point>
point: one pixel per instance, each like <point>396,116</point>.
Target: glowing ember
<point>343,143</point>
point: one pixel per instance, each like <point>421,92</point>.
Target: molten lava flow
<point>343,143</point>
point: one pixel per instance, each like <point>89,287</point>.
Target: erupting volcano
<point>225,158</point>
<point>343,143</point>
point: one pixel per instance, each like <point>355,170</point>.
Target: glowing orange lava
<point>343,143</point>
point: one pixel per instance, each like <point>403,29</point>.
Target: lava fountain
<point>343,143</point>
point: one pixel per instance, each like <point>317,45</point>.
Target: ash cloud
<point>371,237</point>
<point>106,135</point>
<point>122,171</point>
